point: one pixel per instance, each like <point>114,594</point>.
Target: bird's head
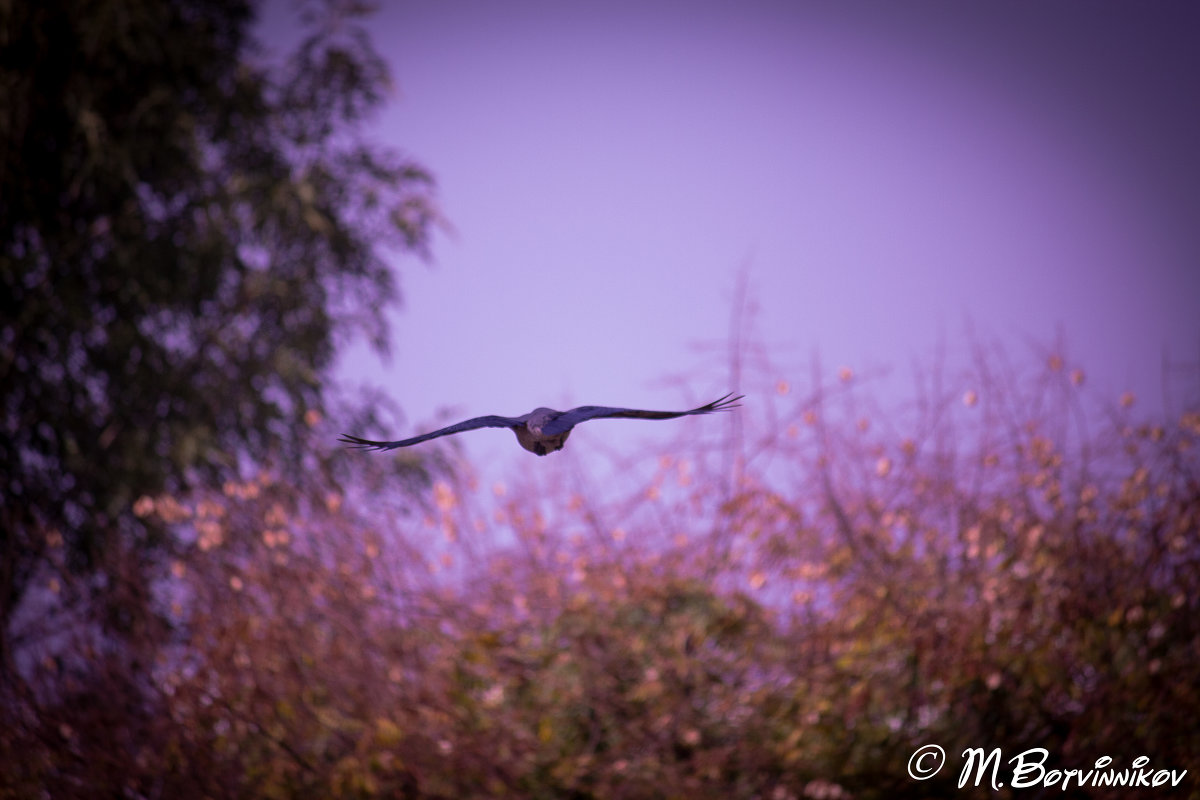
<point>539,417</point>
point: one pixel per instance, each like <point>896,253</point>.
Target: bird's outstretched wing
<point>491,421</point>
<point>569,419</point>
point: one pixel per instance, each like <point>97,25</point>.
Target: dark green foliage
<point>185,235</point>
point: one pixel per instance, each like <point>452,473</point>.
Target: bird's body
<point>543,430</point>
<point>533,436</point>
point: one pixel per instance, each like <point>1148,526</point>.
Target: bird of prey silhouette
<point>544,430</point>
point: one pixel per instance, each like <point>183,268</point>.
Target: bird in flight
<point>544,430</point>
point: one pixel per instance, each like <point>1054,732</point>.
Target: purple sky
<point>889,171</point>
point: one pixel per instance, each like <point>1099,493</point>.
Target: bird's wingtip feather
<point>727,402</point>
<point>354,441</point>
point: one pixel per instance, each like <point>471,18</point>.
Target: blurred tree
<point>185,235</point>
<point>977,584</point>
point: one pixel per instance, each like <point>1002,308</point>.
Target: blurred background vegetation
<point>201,596</point>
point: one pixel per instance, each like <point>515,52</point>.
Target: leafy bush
<point>789,614</point>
